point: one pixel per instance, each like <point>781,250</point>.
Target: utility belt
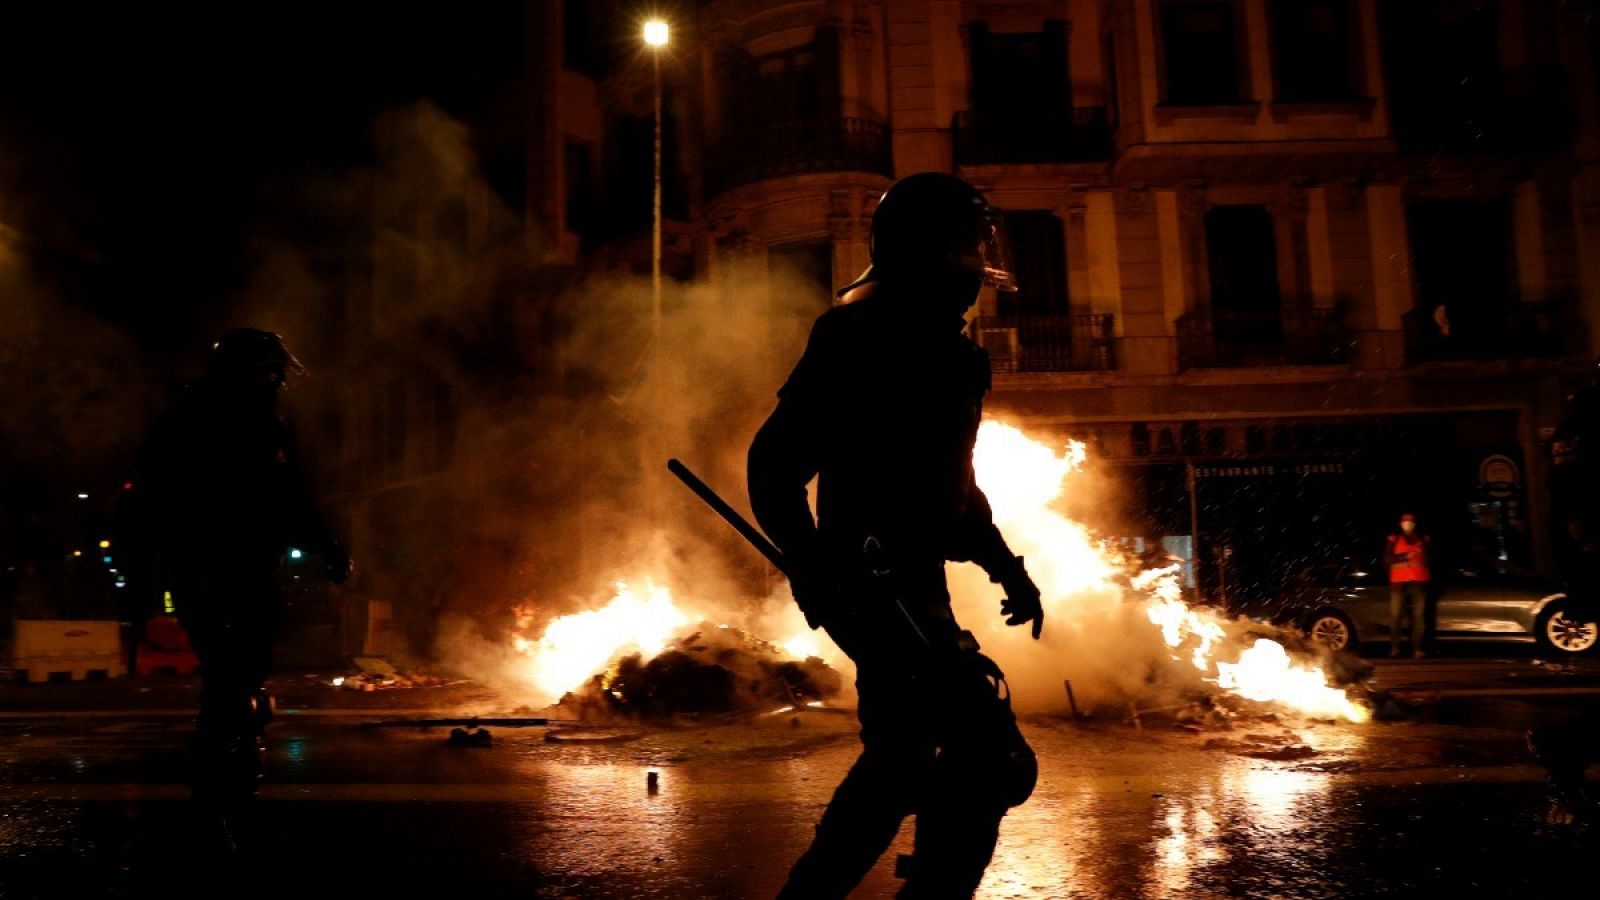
<point>895,622</point>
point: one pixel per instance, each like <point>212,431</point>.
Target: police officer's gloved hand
<point>1022,603</point>
<point>340,566</point>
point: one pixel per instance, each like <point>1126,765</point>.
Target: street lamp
<point>655,35</point>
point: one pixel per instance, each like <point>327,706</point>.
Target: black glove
<point>1022,602</point>
<point>340,566</point>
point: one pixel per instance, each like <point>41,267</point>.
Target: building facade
<point>1291,267</point>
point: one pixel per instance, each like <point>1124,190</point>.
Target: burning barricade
<point>643,654</point>
<point>714,669</point>
<point>1125,639</point>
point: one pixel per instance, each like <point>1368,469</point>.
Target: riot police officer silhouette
<point>883,410</point>
<point>1567,748</point>
<point>221,488</point>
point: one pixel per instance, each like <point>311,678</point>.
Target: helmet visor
<point>994,253</point>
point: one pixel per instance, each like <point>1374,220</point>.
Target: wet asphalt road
<point>1443,803</point>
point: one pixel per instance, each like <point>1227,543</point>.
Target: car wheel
<point>1332,630</point>
<point>1563,632</point>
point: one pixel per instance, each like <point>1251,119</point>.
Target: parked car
<point>1346,605</point>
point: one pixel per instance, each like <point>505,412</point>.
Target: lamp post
<point>655,35</point>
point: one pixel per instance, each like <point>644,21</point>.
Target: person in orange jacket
<point>1407,556</point>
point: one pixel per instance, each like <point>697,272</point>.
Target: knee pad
<point>1017,775</point>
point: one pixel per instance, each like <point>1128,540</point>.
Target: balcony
<point>1521,331</point>
<point>1075,343</point>
<point>1292,337</point>
<point>797,148</point>
<point>1079,134</point>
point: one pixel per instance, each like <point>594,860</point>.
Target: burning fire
<point>1087,590</point>
<point>573,648</point>
<point>1023,477</point>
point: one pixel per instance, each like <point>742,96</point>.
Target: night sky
<point>145,153</point>
<point>139,142</point>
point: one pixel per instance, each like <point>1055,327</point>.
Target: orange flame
<point>1023,478</point>
<point>574,648</point>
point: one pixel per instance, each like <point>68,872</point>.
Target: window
<point>1016,78</point>
<point>1442,61</point>
<point>506,39</point>
<point>1313,48</point>
<point>579,182</point>
<point>1113,100</point>
<point>1242,257</point>
<point>576,52</point>
<point>1201,54</point>
<point>1462,252</point>
<point>629,179</point>
<point>506,170</point>
<point>784,89</point>
<point>1038,251</point>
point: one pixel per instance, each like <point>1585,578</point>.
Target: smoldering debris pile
<point>370,674</point>
<point>716,669</point>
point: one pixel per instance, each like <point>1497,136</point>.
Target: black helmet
<point>932,221</point>
<point>244,352</point>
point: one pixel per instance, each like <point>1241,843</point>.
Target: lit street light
<point>655,35</point>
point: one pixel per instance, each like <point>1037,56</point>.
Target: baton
<point>756,538</point>
<point>729,514</point>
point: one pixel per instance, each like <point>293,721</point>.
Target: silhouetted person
<point>1568,748</point>
<point>883,409</point>
<point>222,490</point>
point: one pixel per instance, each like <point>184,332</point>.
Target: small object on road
<point>461,737</point>
<point>652,782</point>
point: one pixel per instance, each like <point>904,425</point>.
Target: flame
<point>1267,674</point>
<point>1023,478</point>
<point>1073,568</point>
<point>573,648</point>
<point>802,645</point>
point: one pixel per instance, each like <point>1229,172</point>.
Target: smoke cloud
<point>564,407</point>
<point>496,427</point>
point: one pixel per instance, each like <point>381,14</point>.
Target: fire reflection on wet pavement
<point>1375,810</point>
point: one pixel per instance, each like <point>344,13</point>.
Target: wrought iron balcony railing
<point>1063,343</point>
<point>840,144</point>
<point>1518,331</point>
<point>1079,134</point>
<point>1291,337</point>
